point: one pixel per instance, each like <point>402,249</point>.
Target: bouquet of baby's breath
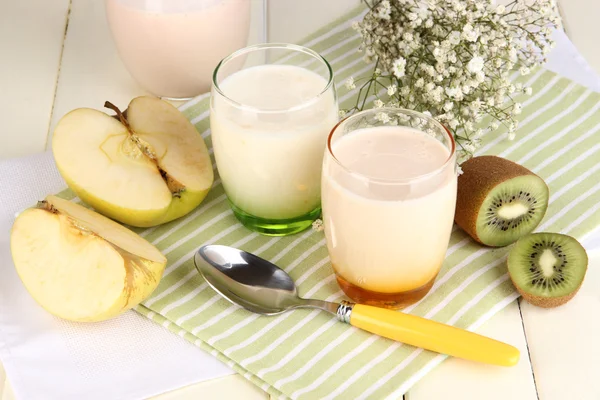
<point>453,59</point>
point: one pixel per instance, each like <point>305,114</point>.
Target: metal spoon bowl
<point>252,282</point>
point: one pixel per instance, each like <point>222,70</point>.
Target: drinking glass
<point>272,107</point>
<point>389,195</point>
<point>171,47</point>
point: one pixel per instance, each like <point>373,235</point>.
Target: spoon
<point>261,287</point>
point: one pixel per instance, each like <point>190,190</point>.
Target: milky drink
<point>389,210</point>
<point>171,47</point>
<point>269,137</point>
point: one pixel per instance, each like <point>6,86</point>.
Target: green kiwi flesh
<point>511,210</point>
<point>547,268</point>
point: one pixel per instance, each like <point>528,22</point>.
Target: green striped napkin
<point>308,354</point>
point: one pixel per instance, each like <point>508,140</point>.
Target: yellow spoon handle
<point>431,335</point>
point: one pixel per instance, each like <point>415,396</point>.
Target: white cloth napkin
<point>128,357</point>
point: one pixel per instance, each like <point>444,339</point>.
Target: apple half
<point>80,265</point>
<point>143,167</point>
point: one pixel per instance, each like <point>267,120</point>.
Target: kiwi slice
<point>499,201</point>
<point>547,268</point>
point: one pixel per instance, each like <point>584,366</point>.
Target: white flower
<point>317,225</point>
<point>475,64</point>
<point>455,58</point>
<point>469,147</point>
<point>511,136</point>
<point>528,91</point>
<point>517,108</point>
<point>384,10</point>
<point>459,170</point>
<point>453,91</point>
<point>342,113</point>
<point>349,84</point>
<point>469,34</point>
<point>398,67</point>
<point>454,38</point>
<point>475,105</point>
<point>383,117</point>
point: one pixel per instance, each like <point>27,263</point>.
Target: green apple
<point>80,265</point>
<point>144,167</point>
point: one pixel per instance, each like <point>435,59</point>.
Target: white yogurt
<point>269,148</point>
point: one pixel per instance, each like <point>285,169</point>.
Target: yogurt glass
<point>171,47</point>
<point>272,108</point>
<point>389,195</point>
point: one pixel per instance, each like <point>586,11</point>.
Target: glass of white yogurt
<point>272,107</point>
<point>389,194</point>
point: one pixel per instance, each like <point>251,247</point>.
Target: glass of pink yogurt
<point>171,47</point>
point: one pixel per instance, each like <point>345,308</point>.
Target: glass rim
<point>267,46</point>
<point>399,180</point>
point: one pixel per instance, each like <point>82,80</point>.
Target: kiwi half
<point>499,201</point>
<point>547,268</point>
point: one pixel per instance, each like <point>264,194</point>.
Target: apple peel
<point>80,265</point>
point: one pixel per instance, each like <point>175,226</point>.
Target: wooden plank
<point>31,37</point>
<point>229,387</point>
<point>91,70</point>
<point>291,20</point>
<point>564,342</point>
<point>459,379</point>
<point>580,23</point>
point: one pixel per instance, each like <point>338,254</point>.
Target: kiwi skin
<point>548,302</point>
<point>480,175</point>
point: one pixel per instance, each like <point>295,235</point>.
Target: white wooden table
<point>56,55</point>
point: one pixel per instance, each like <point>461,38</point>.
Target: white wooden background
<point>56,55</point>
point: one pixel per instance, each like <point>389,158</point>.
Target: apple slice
<point>144,168</point>
<point>80,265</point>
